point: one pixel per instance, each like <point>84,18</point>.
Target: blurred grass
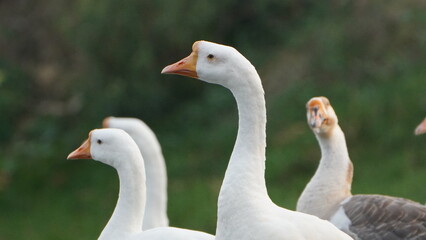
<point>58,79</point>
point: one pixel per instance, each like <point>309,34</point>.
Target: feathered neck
<point>156,179</point>
<point>332,180</point>
<point>243,188</point>
<point>128,213</point>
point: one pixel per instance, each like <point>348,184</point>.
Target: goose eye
<point>99,141</point>
<point>210,56</point>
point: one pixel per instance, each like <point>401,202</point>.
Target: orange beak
<point>317,114</point>
<point>83,152</point>
<point>105,122</point>
<point>421,128</point>
<point>185,67</point>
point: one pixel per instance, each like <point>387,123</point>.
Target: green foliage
<point>64,66</point>
<point>15,94</point>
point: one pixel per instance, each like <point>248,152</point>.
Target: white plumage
<point>245,210</point>
<point>155,169</point>
<point>116,148</point>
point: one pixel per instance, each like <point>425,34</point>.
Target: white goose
<point>155,169</point>
<point>245,210</point>
<point>116,148</point>
<point>328,194</point>
<point>421,128</point>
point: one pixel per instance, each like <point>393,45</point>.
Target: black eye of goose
<point>99,141</point>
<point>210,56</point>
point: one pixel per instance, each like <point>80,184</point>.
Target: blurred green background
<point>65,65</point>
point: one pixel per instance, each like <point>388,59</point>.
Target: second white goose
<point>155,168</point>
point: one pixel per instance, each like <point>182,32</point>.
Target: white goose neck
<point>334,153</point>
<point>332,180</point>
<point>243,188</point>
<point>128,213</point>
<point>156,179</point>
<point>247,161</point>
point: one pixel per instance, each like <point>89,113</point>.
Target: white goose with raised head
<point>155,169</point>
<point>116,148</point>
<point>245,210</point>
<point>328,194</point>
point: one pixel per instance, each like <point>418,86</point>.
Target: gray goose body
<point>385,217</point>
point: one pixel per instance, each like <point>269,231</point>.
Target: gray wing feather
<point>389,218</point>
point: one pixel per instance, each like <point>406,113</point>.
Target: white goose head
<point>127,124</point>
<point>320,115</point>
<point>213,63</point>
<point>109,146</point>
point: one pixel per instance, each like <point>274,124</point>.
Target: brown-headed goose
<point>328,194</point>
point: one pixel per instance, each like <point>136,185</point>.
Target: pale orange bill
<point>317,113</point>
<point>185,67</point>
<point>83,152</point>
